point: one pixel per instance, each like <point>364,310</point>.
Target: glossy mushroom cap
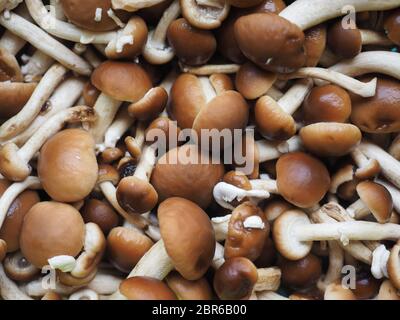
<point>238,179</point>
<point>380,113</point>
<point>189,289</point>
<point>136,195</point>
<point>242,241</point>
<point>83,13</point>
<point>235,279</point>
<point>330,139</point>
<point>253,82</point>
<point>18,268</point>
<point>302,179</point>
<point>274,208</point>
<point>192,46</point>
<point>377,199</point>
<point>51,229</point>
<point>177,170</point>
<point>392,26</point>
<point>64,160</point>
<point>328,103</point>
<point>90,94</point>
<point>100,213</point>
<point>13,96</point>
<point>188,236</point>
<point>122,81</point>
<point>345,43</point>
<point>367,286</point>
<point>125,247</point>
<point>300,274</point>
<point>145,288</point>
<point>270,41</point>
<point>11,228</point>
<point>151,105</point>
<point>167,126</point>
<point>315,44</point>
<point>272,121</point>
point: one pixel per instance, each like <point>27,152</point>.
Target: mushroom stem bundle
<point>363,89</point>
<point>9,290</point>
<point>14,161</point>
<point>336,261</point>
<point>42,41</point>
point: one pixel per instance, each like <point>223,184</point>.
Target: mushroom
<point>18,268</point>
<point>14,161</point>
<point>84,294</point>
<point>36,66</point>
<point>135,193</point>
<point>393,266</point>
<point>395,193</point>
<point>336,262</point>
<point>207,14</point>
<point>294,233</point>
<point>175,171</point>
<point>315,44</point>
<point>387,292</point>
<point>375,199</point>
<point>274,208</point>
<point>134,5</point>
<point>367,168</point>
<point>9,290</point>
<point>330,139</point>
<point>274,118</point>
<point>392,26</point>
<point>145,288</point>
<point>118,81</point>
<point>100,213</point>
<point>3,250</point>
<point>336,291</point>
<point>189,289</point>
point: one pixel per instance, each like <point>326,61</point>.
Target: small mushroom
<point>189,289</point>
<point>145,288</point>
<point>100,213</point>
<point>18,268</point>
<point>9,290</point>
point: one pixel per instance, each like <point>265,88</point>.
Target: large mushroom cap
<point>330,139</point>
<point>122,81</point>
<point>67,165</point>
<point>188,236</point>
<point>83,13</point>
<point>271,41</point>
<point>184,172</point>
<point>380,113</point>
<point>145,288</point>
<point>302,179</point>
<point>11,228</point>
<point>377,198</point>
<point>51,229</point>
<point>344,42</point>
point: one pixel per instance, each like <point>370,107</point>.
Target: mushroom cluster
<point>199,150</point>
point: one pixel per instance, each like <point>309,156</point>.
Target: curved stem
<point>295,96</point>
<point>160,32</point>
<point>116,130</point>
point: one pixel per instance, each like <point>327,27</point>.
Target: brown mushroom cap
<point>64,160</point>
<point>189,289</point>
<point>82,14</point>
<point>377,199</point>
<point>345,43</point>
<point>168,126</point>
<point>18,268</point>
<point>145,288</point>
<point>122,81</point>
<point>13,96</point>
<point>302,179</point>
<point>328,103</point>
<point>380,113</point>
<point>238,179</point>
<point>100,213</point>
<point>336,291</point>
<point>244,3</point>
<point>51,229</point>
<point>268,254</point>
<point>172,177</point>
<point>3,249</point>
<point>192,46</point>
<point>272,121</point>
<point>11,228</point>
<point>235,279</point>
<point>366,287</point>
<point>270,41</point>
<point>180,220</point>
<point>125,247</point>
<point>136,195</point>
<point>274,208</point>
<point>315,43</point>
<point>154,13</point>
<point>151,105</point>
<point>241,241</point>
<point>330,139</point>
<point>107,173</point>
<point>300,274</point>
<point>253,82</point>
<point>392,26</point>
<point>90,94</point>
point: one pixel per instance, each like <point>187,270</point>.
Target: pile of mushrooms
<point>109,188</point>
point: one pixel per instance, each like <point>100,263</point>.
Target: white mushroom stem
<point>115,131</point>
<point>210,69</point>
<point>269,150</point>
<point>42,92</point>
<point>9,290</point>
<point>358,209</point>
<point>35,288</point>
<point>309,13</point>
<point>295,96</point>
<point>105,283</point>
<point>336,261</point>
<point>63,97</point>
<point>37,65</point>
<point>370,37</point>
<point>221,224</point>
<point>105,108</point>
<point>224,193</point>
<point>211,3</point>
<point>91,57</point>
<point>380,257</point>
<point>359,158</point>
<point>268,185</point>
<point>156,48</point>
<point>84,294</point>
<point>362,89</point>
<point>63,263</point>
<point>270,295</point>
<point>384,62</point>
<point>59,12</point>
<point>328,59</point>
<point>275,93</point>
<point>146,164</point>
<point>13,191</point>
<point>134,5</point>
<point>12,43</point>
<point>390,166</point>
<point>64,30</point>
<point>42,41</point>
<point>394,192</point>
